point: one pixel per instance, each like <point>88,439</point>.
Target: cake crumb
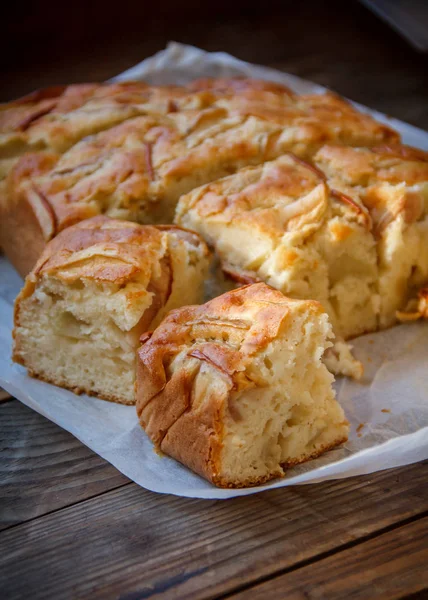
<point>359,428</point>
<point>385,410</point>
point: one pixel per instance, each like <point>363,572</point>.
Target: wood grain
<point>44,468</point>
<point>132,544</point>
<point>392,565</point>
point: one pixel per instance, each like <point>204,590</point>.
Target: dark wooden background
<point>73,527</point>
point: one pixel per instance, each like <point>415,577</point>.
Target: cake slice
<point>285,224</point>
<point>236,390</point>
<point>17,117</point>
<point>392,183</point>
<point>97,286</point>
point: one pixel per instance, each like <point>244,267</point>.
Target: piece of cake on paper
<point>97,286</point>
<point>283,223</point>
<point>392,183</point>
<point>236,389</point>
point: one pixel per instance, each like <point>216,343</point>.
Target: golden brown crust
<point>281,196</point>
<point>27,220</point>
<point>20,114</point>
<point>118,249</point>
<point>386,178</point>
<point>259,98</point>
<point>343,122</point>
<point>87,106</point>
<point>233,85</point>
<point>251,314</point>
<point>225,333</point>
<point>408,153</point>
<point>40,198</point>
<point>22,236</point>
<point>56,118</point>
<point>311,120</point>
<point>110,105</point>
<point>169,420</point>
<point>136,170</point>
<point>255,481</point>
<point>363,166</point>
<point>93,107</point>
<point>76,110</point>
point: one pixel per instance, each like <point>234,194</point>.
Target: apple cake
<point>96,287</point>
<point>236,390</point>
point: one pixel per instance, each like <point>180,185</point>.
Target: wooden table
<point>71,525</point>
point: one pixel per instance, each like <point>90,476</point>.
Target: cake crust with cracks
<point>236,390</point>
<point>95,289</point>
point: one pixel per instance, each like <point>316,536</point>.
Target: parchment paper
<point>388,410</point>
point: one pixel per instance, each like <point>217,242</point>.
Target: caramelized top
<point>390,180</point>
<point>108,250</point>
<point>225,333</point>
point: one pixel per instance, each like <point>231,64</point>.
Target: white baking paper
<point>388,410</point>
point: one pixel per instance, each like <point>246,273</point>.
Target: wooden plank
<point>392,565</point>
<point>44,468</point>
<point>133,544</point>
